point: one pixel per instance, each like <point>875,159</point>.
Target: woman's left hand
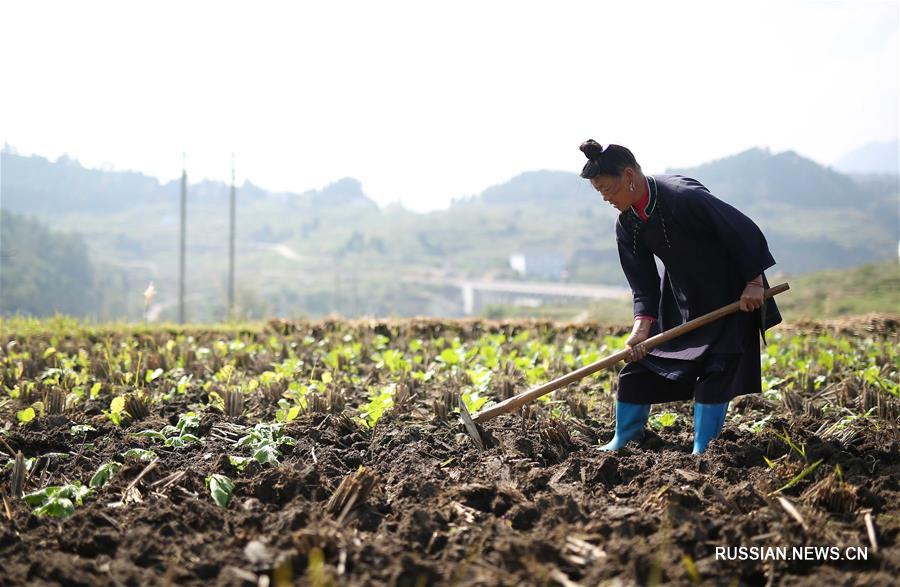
<point>753,297</point>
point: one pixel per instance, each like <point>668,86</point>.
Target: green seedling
<point>238,462</point>
<point>264,441</point>
<point>81,429</point>
<point>473,400</point>
<point>153,375</point>
<point>872,376</point>
<point>663,420</point>
<point>315,569</point>
<point>293,403</point>
<point>29,463</point>
<point>225,374</point>
<point>800,476</point>
<point>379,402</point>
<point>760,425</point>
<point>476,396</point>
<point>57,501</point>
<point>95,390</point>
<point>449,357</point>
<point>393,360</point>
<point>25,416</point>
<point>786,437</point>
<point>380,342</point>
<point>220,489</point>
<point>180,387</point>
<point>139,454</point>
<point>116,409</point>
<point>216,401</point>
<point>104,474</point>
<point>849,419</point>
<point>691,569</point>
<point>137,369</point>
<point>288,412</point>
<point>177,436</point>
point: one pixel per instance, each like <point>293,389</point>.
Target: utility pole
<point>183,238</point>
<point>231,248</point>
<point>335,299</point>
<point>355,296</point>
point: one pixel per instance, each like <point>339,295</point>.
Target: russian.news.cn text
<point>792,553</point>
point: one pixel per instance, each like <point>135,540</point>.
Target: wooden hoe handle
<point>517,401</point>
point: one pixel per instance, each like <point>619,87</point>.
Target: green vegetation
<point>106,472</point>
<point>139,454</point>
<point>220,488</point>
<point>57,501</point>
<point>350,376</point>
<point>264,442</point>
<point>827,294</point>
<point>177,436</point>
<point>43,271</point>
<point>663,420</point>
<point>379,402</point>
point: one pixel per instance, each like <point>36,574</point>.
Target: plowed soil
<point>539,505</point>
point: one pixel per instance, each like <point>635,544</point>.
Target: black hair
<point>609,161</point>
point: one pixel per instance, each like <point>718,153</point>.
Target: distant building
<point>542,264</point>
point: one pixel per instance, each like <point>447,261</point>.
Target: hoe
<point>517,401</point>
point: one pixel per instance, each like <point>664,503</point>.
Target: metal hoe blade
<point>467,421</point>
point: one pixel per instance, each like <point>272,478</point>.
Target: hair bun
<point>591,149</point>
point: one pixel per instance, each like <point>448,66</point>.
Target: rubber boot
<point>708,422</point>
<point>630,420</point>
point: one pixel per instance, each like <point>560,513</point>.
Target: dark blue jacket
<point>709,250</point>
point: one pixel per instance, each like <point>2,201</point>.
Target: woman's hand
<point>753,296</point>
<point>639,333</point>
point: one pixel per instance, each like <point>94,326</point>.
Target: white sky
<point>426,101</point>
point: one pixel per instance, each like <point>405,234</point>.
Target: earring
<point>632,187</point>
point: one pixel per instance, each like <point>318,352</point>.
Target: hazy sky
<point>427,101</point>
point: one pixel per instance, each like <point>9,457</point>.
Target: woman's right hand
<point>639,333</point>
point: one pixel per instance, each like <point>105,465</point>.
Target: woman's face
<point>616,189</point>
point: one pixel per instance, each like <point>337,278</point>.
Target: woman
<point>712,255</point>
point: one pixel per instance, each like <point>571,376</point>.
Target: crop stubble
<point>413,501</point>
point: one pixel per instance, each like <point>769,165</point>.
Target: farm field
<point>330,453</point>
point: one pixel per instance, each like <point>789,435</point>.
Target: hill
<point>875,157</point>
<point>333,250</point>
<point>814,217</point>
<point>44,272</point>
<point>874,287</point>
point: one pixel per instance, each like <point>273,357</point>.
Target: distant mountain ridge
<point>749,178</point>
<point>296,249</point>
<point>540,187</point>
<point>875,157</point>
<point>755,174</point>
<point>36,185</point>
<point>813,216</point>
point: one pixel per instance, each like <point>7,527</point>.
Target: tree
<point>43,272</point>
